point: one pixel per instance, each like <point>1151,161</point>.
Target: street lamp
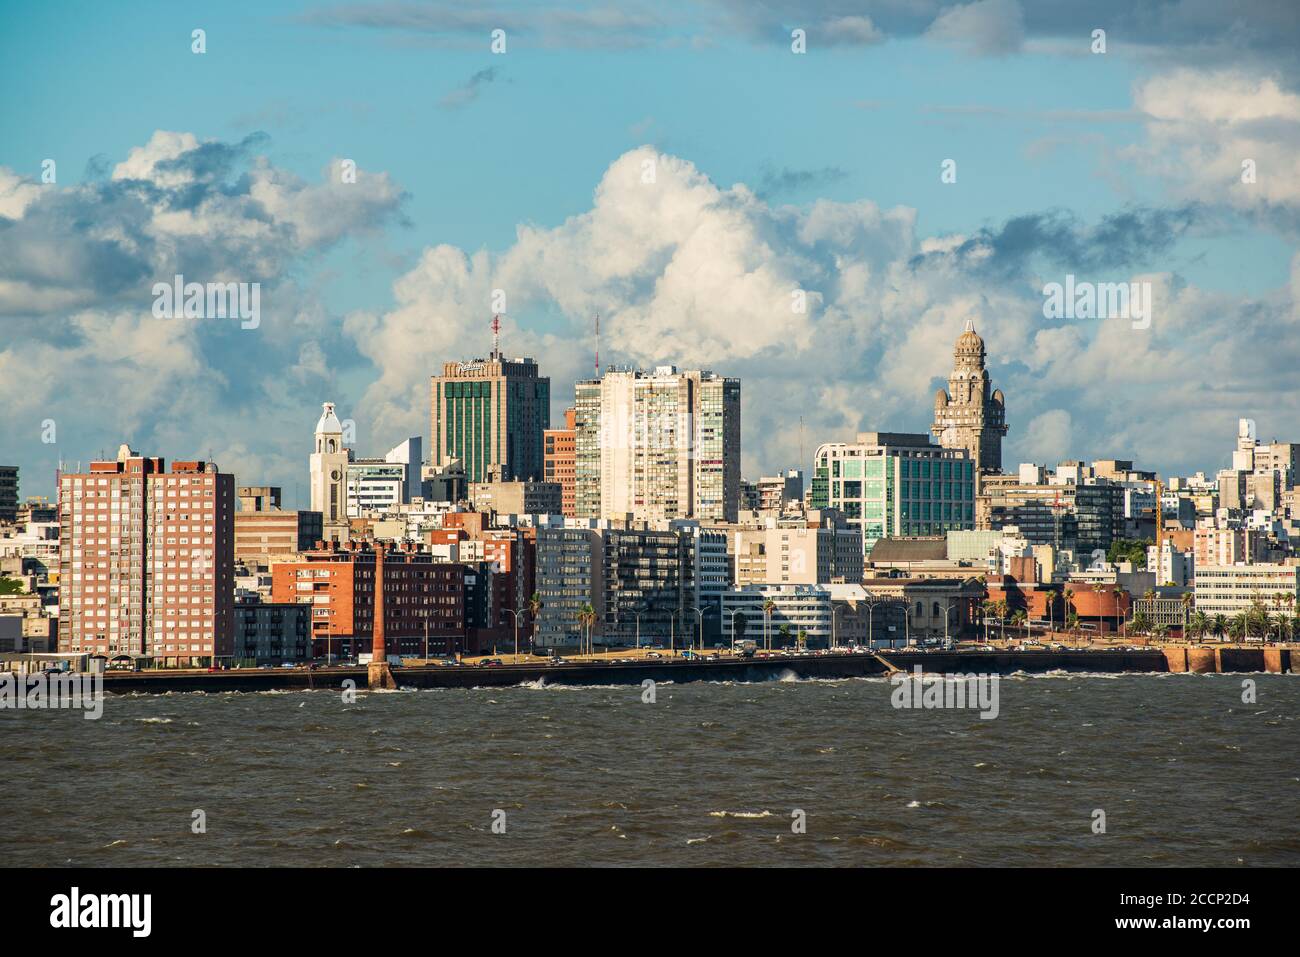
<point>510,611</point>
<point>700,615</point>
<point>871,601</point>
<point>947,607</point>
<point>734,613</point>
<point>835,610</point>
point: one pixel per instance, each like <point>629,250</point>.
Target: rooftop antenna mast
<point>496,335</point>
<point>597,345</point>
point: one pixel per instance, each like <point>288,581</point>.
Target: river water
<point>707,774</point>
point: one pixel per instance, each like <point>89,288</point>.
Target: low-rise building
<point>518,498</point>
<point>272,634</point>
<point>1231,589</point>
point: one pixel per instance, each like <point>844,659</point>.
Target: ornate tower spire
<point>970,414</point>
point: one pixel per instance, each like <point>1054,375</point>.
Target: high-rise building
<point>146,560</point>
<point>895,483</point>
<point>971,415</point>
<point>569,577</point>
<point>558,459</point>
<point>658,445</point>
<point>329,471</point>
<point>491,413</point>
<point>8,493</point>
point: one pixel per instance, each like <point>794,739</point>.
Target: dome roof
<point>329,422</point>
<point>969,341</point>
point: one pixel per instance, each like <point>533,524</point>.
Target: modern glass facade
<point>491,415</point>
<point>895,484</point>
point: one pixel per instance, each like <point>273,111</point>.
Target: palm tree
<point>534,609</point>
<point>769,606</point>
<point>586,619</point>
<point>1219,626</point>
<point>1198,624</point>
<point>1141,624</point>
<point>986,612</point>
<point>785,635</point>
<point>1020,618</point>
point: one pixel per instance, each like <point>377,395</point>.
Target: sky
<point>679,169</point>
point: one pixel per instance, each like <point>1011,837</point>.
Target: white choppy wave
<point>744,814</point>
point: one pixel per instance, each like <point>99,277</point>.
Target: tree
<point>1141,624</point>
<point>739,624</point>
<point>586,619</point>
<point>1020,618</point>
<point>1198,624</point>
<point>1128,550</point>
<point>534,610</point>
<point>1219,625</point>
<point>769,606</point>
<point>785,635</point>
<point>11,586</point>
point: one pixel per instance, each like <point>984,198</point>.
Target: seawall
<point>727,669</point>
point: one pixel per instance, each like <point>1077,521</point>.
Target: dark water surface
<point>708,775</point>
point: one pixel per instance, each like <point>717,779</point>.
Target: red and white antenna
<point>496,335</point>
<point>597,345</point>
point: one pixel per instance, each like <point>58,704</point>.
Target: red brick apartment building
<point>146,561</point>
<point>338,581</point>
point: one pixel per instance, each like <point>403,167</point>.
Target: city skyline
<point>364,294</point>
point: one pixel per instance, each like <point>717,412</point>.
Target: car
<point>653,654</point>
<point>489,662</point>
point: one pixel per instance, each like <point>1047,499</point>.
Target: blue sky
<point>470,146</point>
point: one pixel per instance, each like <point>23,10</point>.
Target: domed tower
<point>971,415</point>
<point>328,468</point>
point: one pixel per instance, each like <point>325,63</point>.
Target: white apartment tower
<point>659,446</point>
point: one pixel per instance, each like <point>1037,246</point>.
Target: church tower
<point>329,469</point>
<point>971,415</point>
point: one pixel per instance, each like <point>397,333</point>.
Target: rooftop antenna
<point>496,335</point>
<point>597,345</point>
